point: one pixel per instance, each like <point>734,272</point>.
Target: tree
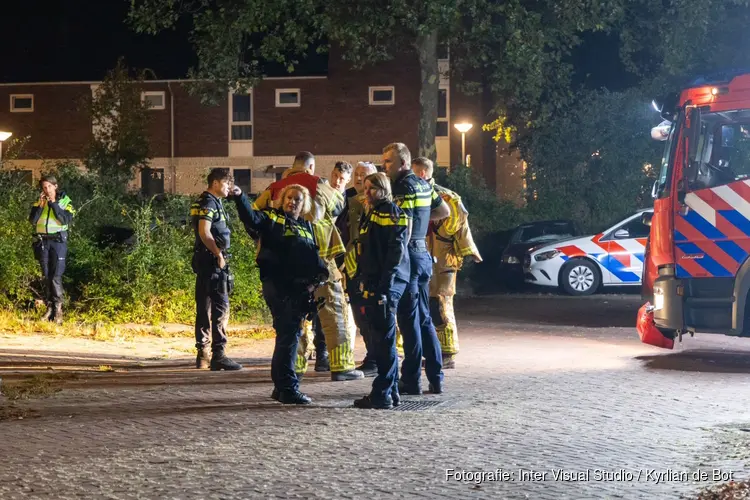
<point>514,48</point>
<point>120,145</point>
<point>594,161</point>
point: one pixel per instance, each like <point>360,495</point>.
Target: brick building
<point>343,114</point>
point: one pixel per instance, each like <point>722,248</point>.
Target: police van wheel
<point>580,277</point>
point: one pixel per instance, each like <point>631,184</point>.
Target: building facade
<point>345,114</point>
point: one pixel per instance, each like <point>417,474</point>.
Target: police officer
<point>290,268</point>
<point>449,241</point>
<point>212,279</point>
<point>380,249</point>
<point>420,203</point>
<point>335,318</point>
<point>354,209</point>
<point>51,216</point>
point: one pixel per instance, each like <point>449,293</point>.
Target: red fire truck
<point>697,272</point>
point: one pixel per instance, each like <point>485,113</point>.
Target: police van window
<point>636,228</point>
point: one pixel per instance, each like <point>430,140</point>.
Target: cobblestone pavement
<point>543,385</point>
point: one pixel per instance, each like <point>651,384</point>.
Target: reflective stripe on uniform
<point>48,223</point>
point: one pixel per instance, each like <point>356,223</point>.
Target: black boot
<point>58,314</point>
<point>275,394</point>
<point>395,396</point>
<point>414,390</point>
<point>294,398</point>
<point>203,359</point>
<point>47,316</point>
<point>436,387</point>
<point>322,363</point>
<point>367,403</point>
<point>369,368</point>
<point>220,361</point>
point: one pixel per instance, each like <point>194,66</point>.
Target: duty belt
<point>417,244</point>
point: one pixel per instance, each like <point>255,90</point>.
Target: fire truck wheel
<point>580,277</point>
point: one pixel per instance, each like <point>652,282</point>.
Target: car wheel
<point>580,277</point>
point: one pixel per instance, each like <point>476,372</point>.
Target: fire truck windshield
<point>664,171</point>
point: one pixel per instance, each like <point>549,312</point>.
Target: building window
<point>288,98</point>
<point>22,176</point>
<point>21,103</point>
<point>241,117</point>
<point>442,121</point>
<point>152,181</point>
<point>243,179</point>
<point>153,100</point>
<point>382,96</point>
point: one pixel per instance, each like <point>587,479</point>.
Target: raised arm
<point>253,220</point>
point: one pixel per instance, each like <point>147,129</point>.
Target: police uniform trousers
<point>382,325</point>
<point>51,251</point>
<point>360,320</point>
<point>211,309</point>
<point>288,318</point>
<point>414,321</point>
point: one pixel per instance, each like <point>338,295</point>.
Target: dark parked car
<point>527,236</point>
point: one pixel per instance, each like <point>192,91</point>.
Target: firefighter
<point>213,281</point>
<point>449,241</point>
<point>420,203</point>
<point>354,208</point>
<point>51,216</point>
<point>290,268</point>
<point>380,249</point>
<point>335,317</point>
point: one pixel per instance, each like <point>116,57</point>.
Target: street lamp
<point>4,136</point>
<point>463,128</point>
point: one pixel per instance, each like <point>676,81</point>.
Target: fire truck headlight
<point>658,299</point>
<point>550,254</point>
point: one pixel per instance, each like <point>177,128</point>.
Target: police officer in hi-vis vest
<point>51,215</point>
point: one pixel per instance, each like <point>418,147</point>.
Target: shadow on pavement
<point>598,311</point>
<point>700,361</point>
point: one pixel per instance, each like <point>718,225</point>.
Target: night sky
<point>79,40</point>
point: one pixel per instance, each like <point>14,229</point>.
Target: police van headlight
<point>658,299</point>
<point>550,254</point>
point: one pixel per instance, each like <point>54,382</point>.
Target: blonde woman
<point>289,269</point>
<point>380,249</point>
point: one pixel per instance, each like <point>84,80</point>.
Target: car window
<point>636,228</point>
<point>543,232</point>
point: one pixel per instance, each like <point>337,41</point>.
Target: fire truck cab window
<point>723,153</point>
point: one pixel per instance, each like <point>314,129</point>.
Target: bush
<point>147,280</point>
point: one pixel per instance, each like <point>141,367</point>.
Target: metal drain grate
<point>417,405</point>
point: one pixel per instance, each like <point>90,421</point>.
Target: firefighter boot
<point>322,363</point>
<point>449,361</point>
<point>203,359</point>
<point>48,315</point>
<point>58,314</point>
<point>347,375</point>
<point>220,361</point>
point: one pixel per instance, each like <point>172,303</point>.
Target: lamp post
<point>463,128</point>
<point>3,137</point>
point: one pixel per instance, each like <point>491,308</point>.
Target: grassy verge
<point>35,386</point>
<point>20,324</point>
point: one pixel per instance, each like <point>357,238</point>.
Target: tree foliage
<point>595,160</point>
<point>120,145</point>
<point>515,49</point>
